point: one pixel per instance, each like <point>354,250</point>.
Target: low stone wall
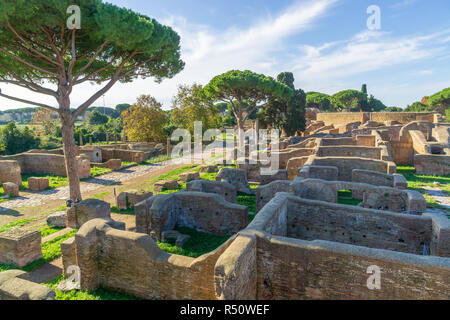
<point>349,151</point>
<point>343,117</point>
<point>133,263</point>
<point>345,141</point>
<point>268,261</point>
<point>259,266</point>
<point>402,117</point>
<point>15,285</point>
<point>205,212</point>
<point>347,164</point>
<point>432,164</point>
<point>45,163</point>
<point>319,172</point>
<point>223,189</point>
<point>419,143</point>
<point>10,172</point>
<point>20,246</point>
<point>374,197</point>
<point>293,166</point>
<point>379,179</point>
<point>287,154</point>
<point>124,155</point>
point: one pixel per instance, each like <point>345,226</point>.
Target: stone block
<point>165,185</point>
<point>38,184</point>
<point>11,188</point>
<point>180,239</point>
<point>20,246</point>
<point>130,198</point>
<point>87,210</point>
<point>57,219</point>
<point>235,177</point>
<point>400,181</point>
<point>279,175</point>
<point>189,176</point>
<point>224,189</point>
<point>10,172</point>
<point>15,285</point>
<point>209,168</point>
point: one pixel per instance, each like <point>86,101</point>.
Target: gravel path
<point>62,193</point>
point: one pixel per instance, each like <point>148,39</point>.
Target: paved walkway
<point>62,193</point>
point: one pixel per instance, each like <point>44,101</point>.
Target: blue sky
<point>325,43</point>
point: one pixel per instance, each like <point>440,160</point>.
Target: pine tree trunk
<point>70,155</point>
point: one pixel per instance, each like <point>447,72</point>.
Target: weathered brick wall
<point>366,140</point>
<point>349,151</point>
<point>202,211</point>
<point>314,220</point>
<point>346,141</point>
<point>402,152</point>
<point>266,193</point>
<point>293,164</point>
<point>20,246</point>
<point>132,263</point>
<point>287,154</point>
<point>432,164</point>
<point>419,143</point>
<point>325,270</point>
<point>45,163</point>
<point>10,172</point>
<point>403,117</point>
<point>346,165</point>
<point>124,155</point>
<point>342,117</point>
<point>235,270</point>
<point>15,285</point>
<point>224,189</point>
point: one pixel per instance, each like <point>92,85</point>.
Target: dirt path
<point>38,205</point>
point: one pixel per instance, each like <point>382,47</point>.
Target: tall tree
<point>440,101</point>
<point>43,50</point>
<point>364,88</point>
<point>245,92</point>
<point>145,121</point>
<point>350,100</point>
<point>189,106</point>
<point>318,100</point>
<point>286,114</point>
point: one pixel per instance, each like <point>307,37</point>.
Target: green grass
<point>47,230</point>
<point>99,294</point>
<point>17,223</point>
<point>97,171</point>
<point>100,195</point>
<point>173,175</point>
<point>247,200</point>
<point>54,181</point>
<point>114,209</point>
<point>346,197</point>
<point>157,159</point>
<point>418,182</point>
<point>199,243</point>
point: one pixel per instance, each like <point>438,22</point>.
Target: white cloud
<point>402,4</point>
<point>366,51</point>
<point>208,52</point>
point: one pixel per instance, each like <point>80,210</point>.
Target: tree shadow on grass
<point>9,212</point>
